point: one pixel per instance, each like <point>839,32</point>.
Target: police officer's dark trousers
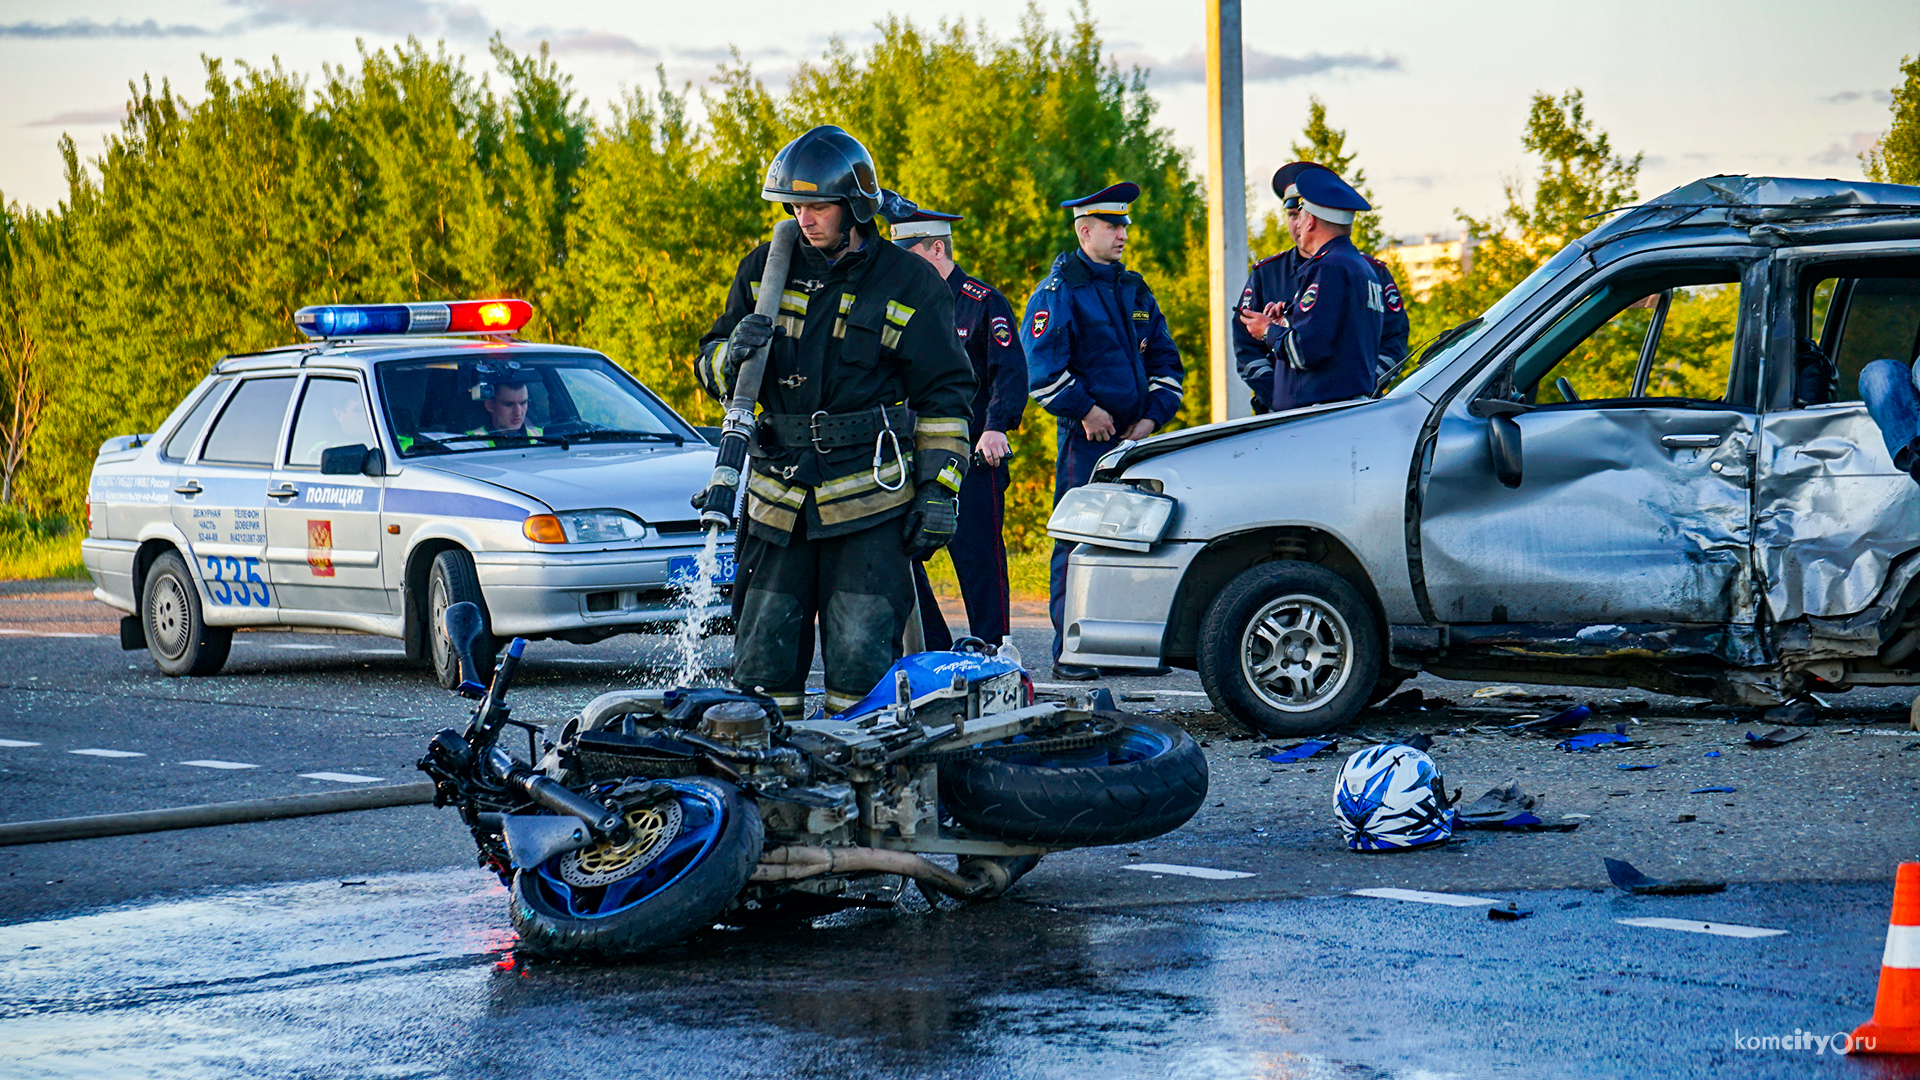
<point>860,588</point>
<point>1072,468</point>
<point>979,551</point>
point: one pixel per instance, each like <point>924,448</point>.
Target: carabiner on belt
<point>886,433</point>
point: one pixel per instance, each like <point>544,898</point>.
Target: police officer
<point>1099,358</point>
<point>1275,279</point>
<point>506,408</point>
<point>983,320</point>
<point>861,443</point>
<point>1324,342</point>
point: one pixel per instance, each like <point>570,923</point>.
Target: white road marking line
<point>44,633</point>
<point>1419,897</point>
<point>209,763</point>
<point>1206,872</point>
<point>1085,686</point>
<point>16,742</point>
<point>106,753</point>
<point>1693,927</point>
<point>343,778</point>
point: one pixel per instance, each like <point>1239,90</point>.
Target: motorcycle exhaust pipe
<point>795,862</point>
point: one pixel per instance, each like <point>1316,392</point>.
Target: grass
<point>38,547</point>
<point>1026,575</point>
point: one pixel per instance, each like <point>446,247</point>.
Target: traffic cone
<point>1895,1027</point>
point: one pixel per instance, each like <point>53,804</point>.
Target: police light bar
<point>377,320</point>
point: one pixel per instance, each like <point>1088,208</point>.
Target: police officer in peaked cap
<point>862,439</point>
<point>983,321</point>
<point>1323,342</point>
<point>1099,358</point>
<point>1274,281</point>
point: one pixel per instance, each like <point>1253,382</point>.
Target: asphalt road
<point>359,944</point>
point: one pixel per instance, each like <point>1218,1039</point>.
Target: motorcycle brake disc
<point>1088,734</point>
<point>654,827</point>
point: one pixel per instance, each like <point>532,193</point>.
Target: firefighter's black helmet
<point>825,165</point>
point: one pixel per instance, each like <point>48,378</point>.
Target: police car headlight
<point>584,527</point>
<point>1111,515</point>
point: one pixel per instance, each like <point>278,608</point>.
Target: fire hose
<point>717,502</point>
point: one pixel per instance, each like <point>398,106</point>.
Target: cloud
<point>603,42</point>
<point>418,17</point>
<point>87,28</point>
<point>81,118</point>
<point>1847,97</point>
<point>1849,154</point>
<point>1259,66</point>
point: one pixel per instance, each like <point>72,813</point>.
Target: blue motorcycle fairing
<point>703,820</point>
<point>929,675</point>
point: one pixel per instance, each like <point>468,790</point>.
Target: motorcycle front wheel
<point>689,857</point>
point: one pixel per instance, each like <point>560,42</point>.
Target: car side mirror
<point>464,627</point>
<point>343,460</point>
<point>1503,443</point>
<point>375,463</point>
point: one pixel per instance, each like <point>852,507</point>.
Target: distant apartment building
<point>1431,261</point>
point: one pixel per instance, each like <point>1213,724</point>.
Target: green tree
<point>1895,159</point>
<point>1324,144</point>
<point>1578,175</point>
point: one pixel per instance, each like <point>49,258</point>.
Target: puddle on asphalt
<point>414,976</point>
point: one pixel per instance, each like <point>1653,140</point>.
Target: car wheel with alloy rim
<point>1290,648</point>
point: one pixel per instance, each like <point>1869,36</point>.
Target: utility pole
<point>1226,202</point>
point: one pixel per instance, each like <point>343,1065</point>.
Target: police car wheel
<point>175,625</point>
<point>452,580</point>
<point>1290,648</point>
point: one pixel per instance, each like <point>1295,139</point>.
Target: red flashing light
<point>487,316</point>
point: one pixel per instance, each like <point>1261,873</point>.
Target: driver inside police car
<point>506,410</point>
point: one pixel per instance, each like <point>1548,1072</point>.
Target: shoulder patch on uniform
<point>1307,298</point>
<point>974,289</point>
<point>1002,330</point>
<point>1393,297</point>
<point>1040,322</point>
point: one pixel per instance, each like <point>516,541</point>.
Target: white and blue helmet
<point>1390,797</point>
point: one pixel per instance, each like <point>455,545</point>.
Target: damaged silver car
<point>1619,475</point>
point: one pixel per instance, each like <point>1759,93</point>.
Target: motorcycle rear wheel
<point>589,904</point>
<point>1148,782</point>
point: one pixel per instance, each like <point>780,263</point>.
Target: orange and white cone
<point>1895,1027</point>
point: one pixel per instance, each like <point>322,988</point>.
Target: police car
<point>406,458</point>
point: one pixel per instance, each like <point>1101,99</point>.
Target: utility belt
<point>824,431</point>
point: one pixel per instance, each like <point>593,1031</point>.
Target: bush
<point>38,547</point>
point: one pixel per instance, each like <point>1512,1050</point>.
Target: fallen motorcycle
<point>655,813</point>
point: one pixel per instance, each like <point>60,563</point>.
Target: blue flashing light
<point>450,317</point>
<point>355,320</point>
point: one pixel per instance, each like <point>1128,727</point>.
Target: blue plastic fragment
<point>1592,741</point>
<point>1300,752</point>
<point>1634,768</point>
<point>1713,791</point>
<point>1713,753</point>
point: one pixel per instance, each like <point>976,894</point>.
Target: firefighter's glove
<point>931,519</point>
<point>748,337</point>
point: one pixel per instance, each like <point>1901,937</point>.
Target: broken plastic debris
<point>1571,718</point>
<point>1507,808</point>
<point>1628,879</point>
<point>1499,691</point>
<point>1512,912</point>
<point>1711,753</point>
<point>1301,751</point>
<point>1636,768</point>
<point>1793,712</point>
<point>1593,740</point>
<point>1405,701</point>
<point>1776,737</point>
<point>1101,700</point>
<point>1713,791</point>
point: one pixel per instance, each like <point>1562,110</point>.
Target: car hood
<point>651,482</point>
<point>1114,462</point>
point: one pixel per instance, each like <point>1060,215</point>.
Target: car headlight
<point>1111,515</point>
<point>584,527</point>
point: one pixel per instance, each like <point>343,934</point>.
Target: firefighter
<point>861,444</point>
<point>983,320</point>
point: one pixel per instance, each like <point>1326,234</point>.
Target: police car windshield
<point>470,404</point>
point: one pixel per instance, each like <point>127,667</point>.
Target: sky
<point>1434,96</point>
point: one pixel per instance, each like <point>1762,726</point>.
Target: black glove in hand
<point>931,520</point>
<point>748,336</point>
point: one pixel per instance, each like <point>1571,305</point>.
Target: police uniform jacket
<point>1095,336</point>
<point>1277,277</point>
<point>1328,345</point>
<point>871,330</point>
<point>984,322</point>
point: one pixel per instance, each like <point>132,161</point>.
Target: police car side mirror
<point>349,460</point>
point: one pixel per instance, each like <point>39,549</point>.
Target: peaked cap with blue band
<point>1107,204</point>
<point>1324,195</point>
<point>922,222</point>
